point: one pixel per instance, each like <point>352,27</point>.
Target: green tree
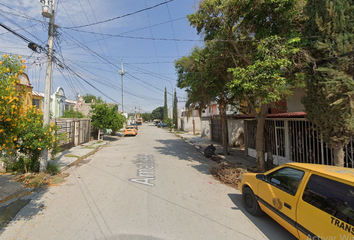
<point>71,113</point>
<point>105,116</point>
<point>329,99</point>
<point>11,105</point>
<point>89,97</point>
<point>157,113</point>
<point>204,76</point>
<point>146,116</point>
<point>36,137</point>
<point>175,115</point>
<point>169,123</point>
<point>263,36</point>
<point>165,111</point>
<point>21,126</point>
<point>117,120</point>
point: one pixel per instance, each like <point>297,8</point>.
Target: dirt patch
<point>41,180</point>
<point>229,173</point>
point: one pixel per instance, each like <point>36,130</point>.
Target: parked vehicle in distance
<point>135,125</point>
<point>311,201</point>
<point>130,130</point>
<point>139,121</point>
<point>164,124</point>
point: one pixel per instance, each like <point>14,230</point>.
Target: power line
<point>125,15</point>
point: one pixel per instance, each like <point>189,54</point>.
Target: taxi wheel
<point>250,202</point>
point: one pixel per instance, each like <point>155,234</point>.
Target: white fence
<point>296,140</point>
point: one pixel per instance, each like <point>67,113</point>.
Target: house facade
<point>26,85</point>
<point>57,103</point>
<point>292,137</point>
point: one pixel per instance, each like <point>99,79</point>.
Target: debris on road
<point>228,173</point>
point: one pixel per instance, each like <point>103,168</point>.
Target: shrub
<point>53,168</point>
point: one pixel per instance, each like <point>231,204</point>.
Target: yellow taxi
<point>311,201</point>
<point>130,130</point>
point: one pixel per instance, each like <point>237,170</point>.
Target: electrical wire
<point>125,15</point>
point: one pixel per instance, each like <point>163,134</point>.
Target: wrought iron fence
<point>299,139</point>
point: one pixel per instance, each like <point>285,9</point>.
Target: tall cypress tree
<point>329,99</point>
<point>175,119</point>
<point>165,113</point>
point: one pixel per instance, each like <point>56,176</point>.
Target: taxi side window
<point>330,196</point>
<point>287,179</point>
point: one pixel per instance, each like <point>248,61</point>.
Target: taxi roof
<point>338,172</point>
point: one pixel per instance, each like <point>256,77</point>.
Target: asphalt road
<point>152,186</point>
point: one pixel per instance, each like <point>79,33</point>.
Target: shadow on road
<point>270,228</point>
<point>185,152</point>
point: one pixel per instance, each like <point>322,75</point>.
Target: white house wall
<point>205,133</point>
<point>188,124</point>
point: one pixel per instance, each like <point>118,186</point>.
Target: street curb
<point>80,159</point>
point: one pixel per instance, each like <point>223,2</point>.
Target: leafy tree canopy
<point>146,116</point>
<point>71,113</point>
<point>329,99</point>
<point>105,116</point>
<point>157,113</point>
<point>89,97</point>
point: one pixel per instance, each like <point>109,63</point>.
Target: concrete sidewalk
<point>236,155</point>
<point>11,190</point>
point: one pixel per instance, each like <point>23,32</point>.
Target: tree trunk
<point>98,135</point>
<point>268,144</point>
<point>338,153</point>
<point>260,159</point>
<point>222,109</point>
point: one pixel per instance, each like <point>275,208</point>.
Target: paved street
<point>152,186</point>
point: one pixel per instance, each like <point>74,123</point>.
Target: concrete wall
<point>188,124</point>
<point>85,108</point>
<point>206,128</point>
<point>236,132</point>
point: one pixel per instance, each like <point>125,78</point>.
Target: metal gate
<point>77,131</point>
<point>216,130</point>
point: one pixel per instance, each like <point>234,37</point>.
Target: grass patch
<point>89,147</point>
<point>53,168</point>
<point>179,132</point>
<point>57,179</point>
<point>42,179</point>
<point>71,155</point>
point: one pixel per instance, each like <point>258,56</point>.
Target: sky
<point>92,38</point>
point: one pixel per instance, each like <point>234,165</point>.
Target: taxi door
<point>278,193</point>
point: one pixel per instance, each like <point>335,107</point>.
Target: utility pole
<point>122,72</point>
<point>135,112</point>
<point>48,10</point>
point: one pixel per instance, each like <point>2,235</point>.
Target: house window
<point>36,103</point>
